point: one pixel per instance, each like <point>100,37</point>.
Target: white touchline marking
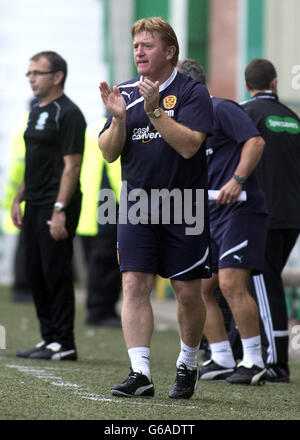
<point>41,373</point>
<point>65,384</point>
<point>98,398</point>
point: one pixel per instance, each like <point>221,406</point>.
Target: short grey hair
<point>193,69</point>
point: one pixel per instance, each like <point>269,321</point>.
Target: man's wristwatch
<point>239,179</point>
<point>59,207</point>
<point>155,114</point>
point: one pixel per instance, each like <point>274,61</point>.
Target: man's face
<point>151,56</point>
<point>40,81</point>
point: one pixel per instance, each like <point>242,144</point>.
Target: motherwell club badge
<point>169,102</point>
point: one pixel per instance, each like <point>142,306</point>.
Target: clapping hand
<point>113,100</point>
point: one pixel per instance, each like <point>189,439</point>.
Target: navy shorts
<point>239,243</point>
<point>164,250</point>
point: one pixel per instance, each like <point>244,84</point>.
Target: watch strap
<point>241,180</point>
<point>155,114</point>
<point>59,207</point>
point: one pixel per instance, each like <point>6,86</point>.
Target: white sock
<point>188,356</point>
<point>221,353</point>
<point>140,360</point>
<point>252,351</point>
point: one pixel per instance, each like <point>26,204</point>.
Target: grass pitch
<point>43,390</point>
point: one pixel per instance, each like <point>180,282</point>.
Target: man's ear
<point>58,77</point>
<point>171,52</point>
<point>273,85</point>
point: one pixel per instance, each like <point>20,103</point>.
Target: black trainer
<point>27,353</point>
<point>55,352</point>
<point>211,370</point>
<point>277,373</point>
<point>185,383</point>
<point>247,374</point>
<point>136,385</point>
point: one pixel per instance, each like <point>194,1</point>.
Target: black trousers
<point>20,288</point>
<point>268,290</point>
<point>103,273</point>
<point>49,270</point>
